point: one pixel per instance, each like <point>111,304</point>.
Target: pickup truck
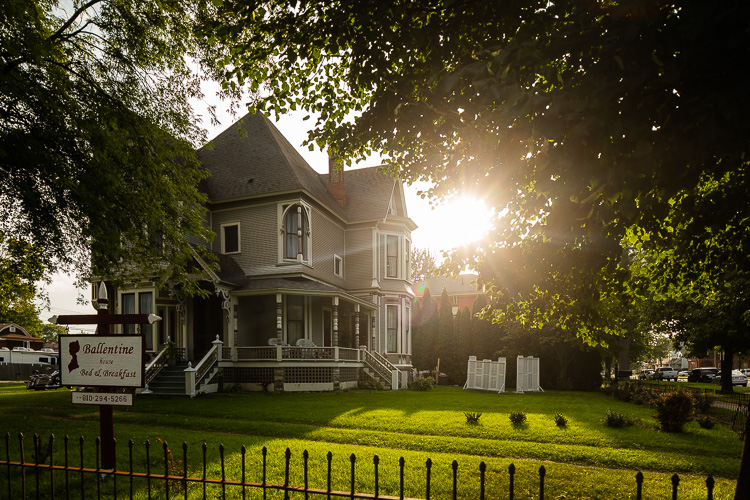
<point>665,373</point>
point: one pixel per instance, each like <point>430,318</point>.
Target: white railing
<point>294,353</point>
<point>382,367</point>
<point>194,376</point>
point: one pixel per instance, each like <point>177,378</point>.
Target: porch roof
<point>298,286</point>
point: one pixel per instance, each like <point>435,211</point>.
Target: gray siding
<point>327,240</point>
<point>358,259</point>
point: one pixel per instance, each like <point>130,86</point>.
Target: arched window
<point>296,233</point>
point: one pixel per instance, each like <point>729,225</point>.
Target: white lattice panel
<point>485,375</point>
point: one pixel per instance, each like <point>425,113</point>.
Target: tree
<point>579,118</point>
<point>97,135</point>
<point>424,325</point>
<point>20,269</point>
<point>423,264</point>
<point>51,333</point>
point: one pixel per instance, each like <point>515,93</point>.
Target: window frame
<point>396,328</point>
<point>389,273</point>
<point>305,238</point>
<point>337,259</point>
<point>224,238</point>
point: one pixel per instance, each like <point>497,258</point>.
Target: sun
<point>460,221</point>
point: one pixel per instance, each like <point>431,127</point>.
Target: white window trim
<point>397,341</point>
<point>340,260</point>
<point>239,238</point>
<point>282,209</point>
<point>403,260</point>
<point>137,292</point>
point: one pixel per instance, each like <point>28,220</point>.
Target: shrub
<point>705,422</point>
<point>472,418</point>
<point>421,384</point>
<point>369,384</point>
<point>560,420</point>
<point>615,419</point>
<point>674,410</point>
<point>517,418</point>
<point>702,402</point>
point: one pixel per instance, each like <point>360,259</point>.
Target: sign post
<point>103,360</point>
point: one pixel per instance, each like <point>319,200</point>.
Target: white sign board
<point>485,374</point>
<point>102,398</point>
<point>101,360</point>
<point>527,375</point>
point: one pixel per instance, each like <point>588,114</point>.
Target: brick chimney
<point>336,179</point>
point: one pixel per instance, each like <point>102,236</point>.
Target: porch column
<point>356,325</point>
<point>336,374</point>
<point>279,319</point>
<point>335,307</point>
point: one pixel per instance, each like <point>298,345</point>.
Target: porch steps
<point>372,374</point>
<point>169,382</point>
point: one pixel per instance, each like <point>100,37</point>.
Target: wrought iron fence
<point>45,477</point>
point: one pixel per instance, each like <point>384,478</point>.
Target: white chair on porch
<point>305,343</point>
<point>275,341</point>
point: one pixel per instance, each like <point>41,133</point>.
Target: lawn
<point>584,459</point>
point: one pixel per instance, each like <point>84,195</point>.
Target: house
<point>313,287</point>
<point>462,290</point>
<point>14,336</point>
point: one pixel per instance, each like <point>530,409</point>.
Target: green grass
<point>584,459</point>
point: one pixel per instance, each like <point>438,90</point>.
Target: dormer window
<point>296,233</point>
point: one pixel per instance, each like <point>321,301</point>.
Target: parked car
<point>738,378</point>
<point>645,375</point>
<point>702,374</point>
<point>665,373</point>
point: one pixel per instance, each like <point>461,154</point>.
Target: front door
<point>208,322</point>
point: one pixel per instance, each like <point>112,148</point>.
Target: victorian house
<point>313,286</point>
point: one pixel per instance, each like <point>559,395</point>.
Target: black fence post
<point>147,444</point>
<point>512,478</point>
<point>264,453</point>
<point>675,484</point>
<point>352,459</point>
<point>223,472</point>
<point>305,458</point>
<point>329,456</point>
<point>482,469</point>
<point>185,470</point>
<point>130,460</point>
<point>243,450</point>
<point>7,455</point>
<point>542,473</point>
<point>288,456</point>
<point>165,449</point>
<point>710,487</point>
<point>375,462</point>
<point>98,443</point>
<point>36,463</point>
<point>66,441</point>
<point>454,465</point>
<point>401,464</point>
<point>639,485</point>
<point>204,448</point>
<point>114,468</point>
<point>80,446</point>
<point>428,465</point>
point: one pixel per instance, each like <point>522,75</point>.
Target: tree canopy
<point>581,118</point>
<point>97,134</point>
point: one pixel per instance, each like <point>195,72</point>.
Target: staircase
<point>169,382</point>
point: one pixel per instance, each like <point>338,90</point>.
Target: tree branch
<point>69,22</point>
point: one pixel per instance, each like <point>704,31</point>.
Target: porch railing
<point>382,367</point>
<point>293,353</point>
<point>198,375</point>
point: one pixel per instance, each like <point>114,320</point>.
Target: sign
<point>101,360</point>
<point>102,398</point>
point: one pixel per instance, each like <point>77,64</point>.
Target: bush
<point>702,402</point>
<point>517,418</point>
<point>421,384</point>
<point>615,419</point>
<point>705,422</point>
<point>560,421</point>
<point>472,418</point>
<point>674,410</point>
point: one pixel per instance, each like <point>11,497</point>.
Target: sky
<point>440,228</point>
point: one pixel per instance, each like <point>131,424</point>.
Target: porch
<point>280,368</point>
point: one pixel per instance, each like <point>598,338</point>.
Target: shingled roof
<point>252,158</point>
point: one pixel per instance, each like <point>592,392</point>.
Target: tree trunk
<point>726,371</point>
<point>743,480</point>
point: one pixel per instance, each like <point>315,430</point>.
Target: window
<point>138,303</point>
<point>391,256</point>
<point>295,318</point>
<point>338,266</point>
<point>296,233</point>
<point>392,328</point>
<point>230,238</point>
<point>407,256</point>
